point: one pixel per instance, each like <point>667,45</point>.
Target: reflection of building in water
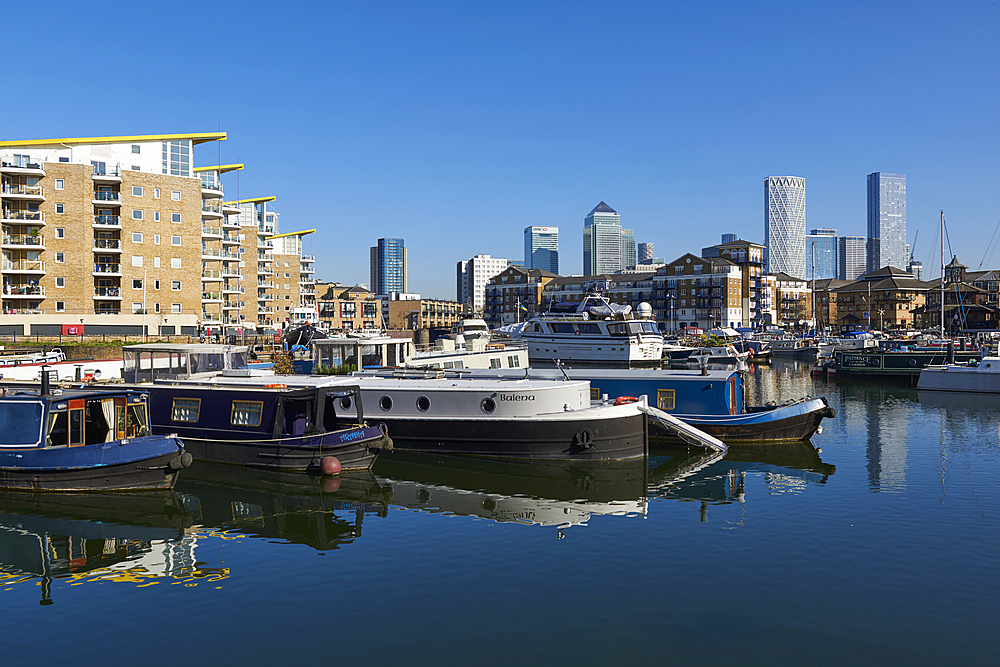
<point>782,380</point>
<point>886,450</point>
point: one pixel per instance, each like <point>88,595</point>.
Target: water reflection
<point>129,538</point>
<point>541,493</point>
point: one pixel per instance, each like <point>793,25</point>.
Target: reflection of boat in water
<point>785,467</point>
<point>91,536</point>
<point>320,511</point>
<point>968,402</point>
<point>548,494</point>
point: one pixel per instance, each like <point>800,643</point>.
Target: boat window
<point>346,402</point>
<point>76,423</point>
<point>642,328</point>
<point>494,362</point>
<point>203,362</point>
<point>618,329</point>
<point>20,424</point>
<point>423,404</point>
<point>385,403</point>
<point>247,413</point>
<point>595,393</point>
<point>459,364</point>
<point>513,361</point>
<point>665,399</point>
<point>488,405</point>
<point>449,364</point>
<point>185,409</point>
<point>537,328</point>
<point>135,420</point>
<point>590,329</point>
<point>561,327</point>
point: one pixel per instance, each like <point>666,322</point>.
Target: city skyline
<point>436,141</point>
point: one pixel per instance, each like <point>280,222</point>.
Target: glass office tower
<point>821,244</point>
<point>388,267</point>
<point>785,225</point>
<point>886,221</point>
<point>602,241</point>
<point>541,248</point>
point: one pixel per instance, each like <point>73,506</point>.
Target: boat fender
<point>585,438</point>
<point>622,400</point>
<point>187,459</point>
<point>330,465</point>
<point>819,430</point>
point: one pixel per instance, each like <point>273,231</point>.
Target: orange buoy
<point>622,400</point>
<point>330,465</point>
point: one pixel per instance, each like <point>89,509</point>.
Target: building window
<point>175,217</point>
<point>136,307</point>
<point>136,190</point>
<point>156,239</point>
<point>175,308</point>
<point>136,260</point>
<point>135,167</point>
<point>175,195</point>
<point>60,257</point>
<point>156,284</point>
<point>175,286</point>
<point>156,262</point>
<point>136,237</point>
<point>60,184</point>
<point>137,214</point>
<point>156,193</point>
<point>60,232</point>
<point>60,306</point>
<point>287,297</point>
<point>60,208</point>
<point>64,159</point>
<point>175,262</point>
<point>287,276</point>
<point>60,281</point>
<point>136,283</point>
<point>135,148</point>
<point>156,307</point>
<point>175,240</point>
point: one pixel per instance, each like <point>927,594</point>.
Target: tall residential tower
<point>388,267</point>
<point>886,221</point>
<point>785,225</point>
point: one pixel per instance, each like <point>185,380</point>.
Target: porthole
<point>488,405</point>
<point>385,403</point>
<point>346,403</point>
<point>423,404</point>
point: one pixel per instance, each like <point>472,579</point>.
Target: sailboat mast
<point>815,319</point>
<point>942,274</point>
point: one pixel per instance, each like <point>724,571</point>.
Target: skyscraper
<point>850,257</point>
<point>388,267</point>
<point>602,241</point>
<point>821,244</point>
<point>645,252</point>
<point>886,221</point>
<point>628,248</point>
<point>472,277</point>
<point>541,248</point>
<point>785,225</point>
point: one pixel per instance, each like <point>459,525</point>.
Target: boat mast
<point>942,274</point>
<point>815,319</point>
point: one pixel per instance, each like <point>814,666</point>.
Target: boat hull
<point>580,350</point>
<point>147,463</point>
<point>982,379</point>
<point>902,364</point>
<point>788,423</point>
<point>592,439</point>
<point>356,449</point>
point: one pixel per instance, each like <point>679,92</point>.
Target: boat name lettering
<point>517,397</point>
<point>352,435</point>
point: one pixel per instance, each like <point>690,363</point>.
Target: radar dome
<point>645,310</point>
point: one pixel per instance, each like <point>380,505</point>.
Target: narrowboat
<point>83,440</point>
<point>896,363</point>
<point>797,348</point>
<point>713,401</point>
<point>254,423</point>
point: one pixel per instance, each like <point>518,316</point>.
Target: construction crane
<point>913,248</point>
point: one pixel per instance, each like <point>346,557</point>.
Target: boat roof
<point>187,347</point>
<point>59,394</point>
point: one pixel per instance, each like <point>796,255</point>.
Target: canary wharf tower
<point>785,225</point>
<point>886,221</point>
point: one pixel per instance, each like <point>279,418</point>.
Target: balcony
<point>107,221</point>
<point>211,276</point>
<point>228,208</point>
<point>211,317</point>
<point>231,305</point>
<point>13,216</point>
<point>230,273</point>
<point>229,239</point>
<point>308,258</point>
<point>111,293</point>
<point>106,174</point>
<point>211,210</point>
<point>211,296</point>
<point>307,281</point>
<point>208,230</point>
<point>23,266</point>
<point>265,283</point>
<point>211,186</point>
<point>233,289</point>
<point>264,309</point>
<point>25,241</point>
<point>21,164</point>
<point>265,297</point>
<point>107,269</point>
<point>22,191</point>
<point>23,291</point>
<point>231,221</point>
<point>107,245</point>
<point>265,271</point>
<point>107,198</point>
<point>306,269</point>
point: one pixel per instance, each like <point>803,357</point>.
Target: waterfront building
<point>821,244</point>
<point>630,288</point>
<point>826,303</point>
<point>388,266</point>
<point>851,257</point>
<point>698,292</point>
<point>785,225</point>
<point>472,275</point>
<point>602,241</point>
<point>628,248</point>
<point>793,301</point>
<point>223,298</point>
<point>416,314</point>
<point>514,295</point>
<point>889,298</point>
<point>541,248</point>
<point>886,221</point>
<point>347,308</point>
<point>645,254</point>
<point>970,300</point>
<point>755,300</point>
<point>294,285</point>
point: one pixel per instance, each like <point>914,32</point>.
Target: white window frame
<point>60,184</point>
<point>136,237</point>
<point>175,218</point>
<point>137,214</point>
<point>136,260</point>
<point>60,208</point>
<point>175,195</point>
<point>156,193</point>
<point>175,308</point>
<point>60,232</point>
<point>175,262</point>
<point>60,281</point>
<point>60,257</point>
<point>136,190</point>
<point>175,286</point>
<point>60,306</point>
<point>175,240</point>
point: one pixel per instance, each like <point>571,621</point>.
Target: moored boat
<point>83,440</point>
<point>975,376</point>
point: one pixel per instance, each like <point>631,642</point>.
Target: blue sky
<point>456,124</point>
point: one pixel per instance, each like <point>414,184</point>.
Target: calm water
<point>883,547</point>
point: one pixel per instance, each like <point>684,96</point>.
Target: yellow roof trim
<point>196,138</point>
<point>278,236</point>
<point>254,200</point>
<point>222,168</point>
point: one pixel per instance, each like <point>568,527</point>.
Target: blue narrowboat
<point>83,440</point>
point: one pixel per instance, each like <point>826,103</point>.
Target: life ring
<point>576,333</point>
<point>622,400</point>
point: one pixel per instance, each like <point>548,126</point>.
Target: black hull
<point>791,429</point>
<point>291,454</point>
<point>617,439</point>
<point>151,474</point>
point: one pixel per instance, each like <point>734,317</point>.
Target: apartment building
<point>515,294</point>
<point>699,292</point>
<point>294,286</point>
<point>347,308</point>
<point>424,314</point>
<point>622,288</point>
<point>122,234</point>
<point>793,301</point>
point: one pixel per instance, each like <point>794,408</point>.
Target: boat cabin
<point>146,363</point>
